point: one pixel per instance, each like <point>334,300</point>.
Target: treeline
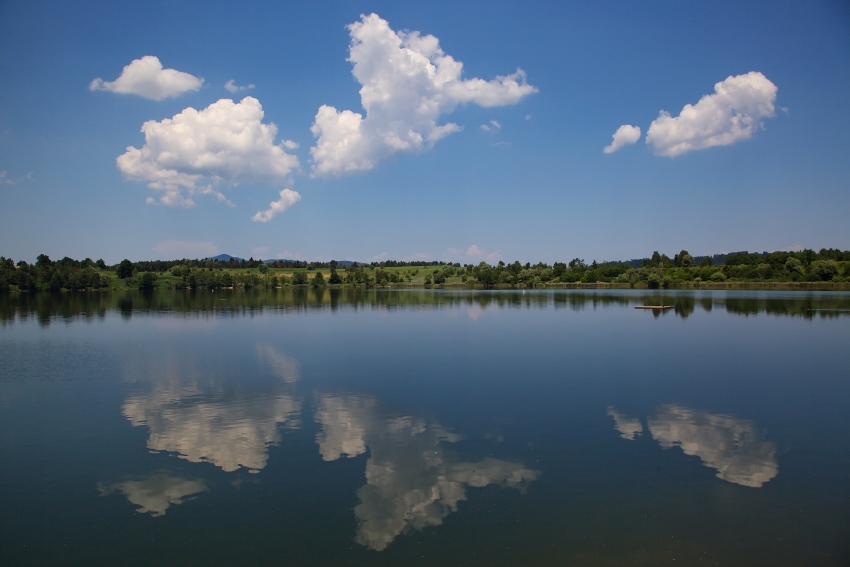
<point>659,270</point>
<point>47,275</point>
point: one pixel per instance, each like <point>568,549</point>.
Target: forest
<point>826,266</point>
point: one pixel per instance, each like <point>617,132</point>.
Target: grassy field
<point>415,278</point>
<point>411,277</point>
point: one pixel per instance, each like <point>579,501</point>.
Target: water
<point>346,427</point>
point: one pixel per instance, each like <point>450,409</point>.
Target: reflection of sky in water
<point>629,427</point>
<point>222,387</point>
<point>155,493</point>
<point>728,444</point>
<point>410,482</point>
<point>228,429</point>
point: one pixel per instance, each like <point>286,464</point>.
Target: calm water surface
<point>388,427</point>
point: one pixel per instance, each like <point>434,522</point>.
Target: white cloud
<point>288,198</point>
<point>226,142</point>
<point>378,258</point>
<point>474,252</point>
<point>234,88</point>
<point>156,493</point>
<point>146,77</point>
<point>408,83</point>
<point>258,252</point>
<point>287,255</point>
<point>174,249</point>
<point>4,180</point>
<point>493,127</point>
<point>624,136</point>
<point>733,113</point>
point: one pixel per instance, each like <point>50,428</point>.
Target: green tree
<point>793,265</point>
<point>125,269</point>
<point>318,280</point>
<point>264,269</point>
<point>825,270</point>
<point>146,281</point>
<point>334,279</point>
<point>299,277</point>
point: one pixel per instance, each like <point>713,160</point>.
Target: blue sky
<point>763,163</point>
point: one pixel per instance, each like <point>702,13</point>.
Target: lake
<point>425,427</point>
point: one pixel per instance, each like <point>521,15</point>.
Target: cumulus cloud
<point>725,443</point>
<point>624,136</point>
<point>5,180</point>
<point>234,88</point>
<point>146,77</point>
<point>733,113</point>
<point>156,493</point>
<point>173,249</point>
<point>408,83</point>
<point>287,199</point>
<point>195,151</point>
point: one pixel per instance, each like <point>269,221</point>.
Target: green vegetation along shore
<point>805,269</point>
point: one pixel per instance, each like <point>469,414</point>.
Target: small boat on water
<point>661,307</point>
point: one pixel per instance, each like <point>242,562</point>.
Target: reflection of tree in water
<point>203,303</point>
<point>411,483</point>
<point>728,444</point>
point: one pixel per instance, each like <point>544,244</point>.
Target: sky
<point>464,132</point>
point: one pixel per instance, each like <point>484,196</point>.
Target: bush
<point>718,276</point>
<point>146,281</point>
<point>824,270</point>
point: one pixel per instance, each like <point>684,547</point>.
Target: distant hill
<point>224,258</point>
<point>228,257</point>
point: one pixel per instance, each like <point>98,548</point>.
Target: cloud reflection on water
<point>411,483</point>
<point>725,443</point>
<point>729,444</point>
<point>230,428</point>
<point>629,427</point>
<point>156,493</point>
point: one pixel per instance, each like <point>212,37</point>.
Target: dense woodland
<point>657,271</point>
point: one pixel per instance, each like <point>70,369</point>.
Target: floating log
<point>654,307</point>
